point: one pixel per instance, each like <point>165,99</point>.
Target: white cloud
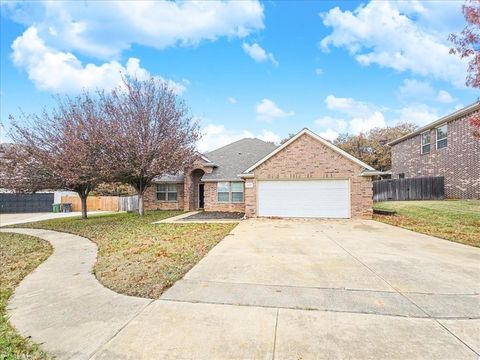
<point>59,71</point>
<point>318,71</point>
<point>419,114</point>
<point>267,110</point>
<point>384,33</point>
<point>215,136</point>
<point>415,90</point>
<point>257,53</point>
<point>362,116</point>
<point>412,89</point>
<point>329,134</point>
<point>232,100</point>
<point>106,29</point>
<point>349,106</point>
<point>330,122</point>
<point>445,97</point>
<point>364,124</point>
<point>269,136</point>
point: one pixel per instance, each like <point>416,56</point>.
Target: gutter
<point>367,173</point>
<point>246,176</point>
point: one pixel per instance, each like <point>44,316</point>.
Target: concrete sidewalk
<point>62,306</point>
<point>182,219</point>
<point>23,218</point>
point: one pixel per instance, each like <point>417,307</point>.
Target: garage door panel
<point>309,198</point>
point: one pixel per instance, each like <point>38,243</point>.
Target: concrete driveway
<point>299,289</point>
<point>272,289</point>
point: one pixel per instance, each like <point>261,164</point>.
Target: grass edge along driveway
<point>454,220</point>
<point>19,255</point>
<point>136,257</point>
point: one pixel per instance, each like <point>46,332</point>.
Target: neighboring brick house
<point>446,147</point>
<point>305,177</point>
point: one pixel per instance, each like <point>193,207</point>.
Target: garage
<point>304,198</point>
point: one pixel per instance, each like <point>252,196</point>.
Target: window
<point>442,136</point>
<point>426,142</point>
<point>237,192</point>
<point>401,176</point>
<point>167,192</point>
<point>223,191</point>
<point>230,192</point>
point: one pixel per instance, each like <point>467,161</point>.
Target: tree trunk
<point>83,198</point>
<point>141,209</point>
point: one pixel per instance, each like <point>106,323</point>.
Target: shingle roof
<point>234,158</point>
<point>170,178</point>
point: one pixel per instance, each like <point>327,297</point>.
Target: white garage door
<point>312,198</point>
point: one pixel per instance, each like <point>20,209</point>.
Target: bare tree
<point>151,133</point>
<point>60,149</point>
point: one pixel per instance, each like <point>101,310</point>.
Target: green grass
<point>19,255</point>
<point>136,257</point>
<point>455,220</point>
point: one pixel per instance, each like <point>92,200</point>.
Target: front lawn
<point>455,220</point>
<point>136,257</point>
<point>19,255</point>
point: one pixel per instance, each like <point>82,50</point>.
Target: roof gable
<point>308,132</point>
<point>233,158</point>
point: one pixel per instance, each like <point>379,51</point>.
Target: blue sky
<point>262,69</point>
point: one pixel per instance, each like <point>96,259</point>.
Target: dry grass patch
<point>19,255</point>
<point>138,258</point>
<point>454,220</point>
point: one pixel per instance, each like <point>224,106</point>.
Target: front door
<point>201,196</point>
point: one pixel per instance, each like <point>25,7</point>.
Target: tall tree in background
<point>151,133</point>
<point>371,147</point>
<point>466,44</point>
<point>60,149</point>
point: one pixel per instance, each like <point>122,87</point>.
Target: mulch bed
<point>215,215</point>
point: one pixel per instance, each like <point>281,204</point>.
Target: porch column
<point>187,191</point>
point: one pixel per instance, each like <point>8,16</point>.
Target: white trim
<point>316,137</point>
<point>203,157</point>
<point>222,180</point>
<point>374,173</point>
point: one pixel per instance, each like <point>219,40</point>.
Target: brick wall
<point>307,158</point>
<point>151,202</point>
<point>458,162</point>
<point>211,203</point>
<point>194,173</point>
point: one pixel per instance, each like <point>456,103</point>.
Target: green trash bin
<point>56,208</point>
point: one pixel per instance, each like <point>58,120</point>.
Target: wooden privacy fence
<point>128,203</point>
<point>105,203</point>
<point>422,188</point>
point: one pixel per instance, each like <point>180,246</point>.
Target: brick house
<point>446,147</point>
<point>305,177</point>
